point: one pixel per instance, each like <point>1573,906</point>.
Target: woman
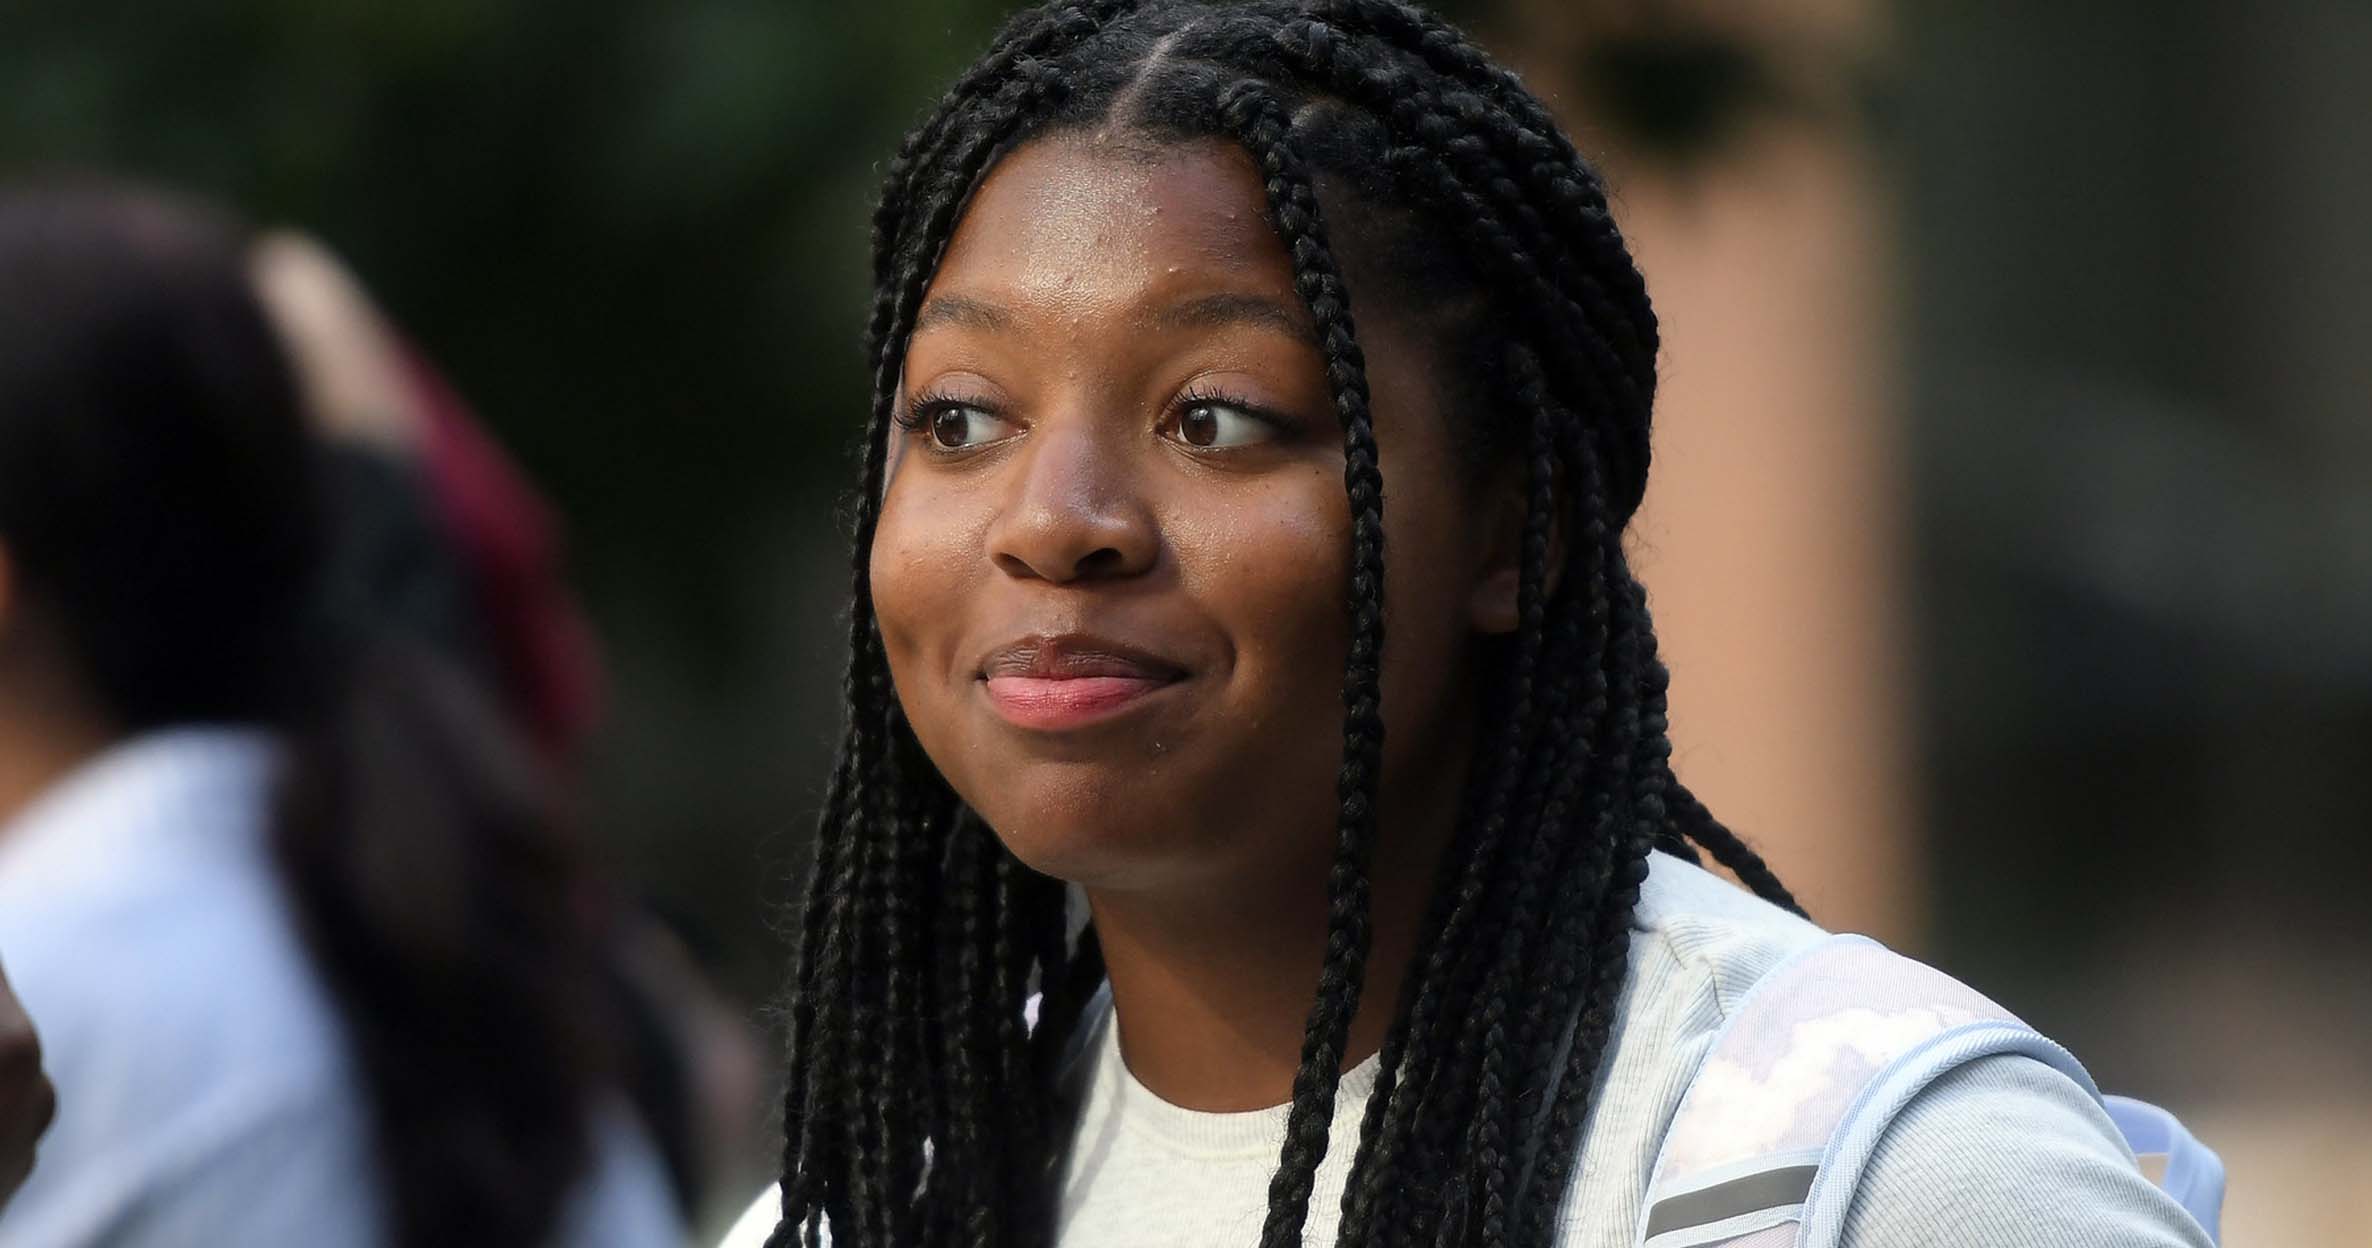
<point>309,962</point>
<point>1186,314</point>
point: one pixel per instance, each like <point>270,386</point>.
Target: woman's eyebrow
<point>1214,311</point>
<point>964,311</point>
<point>1201,312</point>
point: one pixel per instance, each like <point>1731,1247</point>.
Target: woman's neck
<point>1213,991</point>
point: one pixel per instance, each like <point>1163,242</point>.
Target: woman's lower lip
<point>1050,705</point>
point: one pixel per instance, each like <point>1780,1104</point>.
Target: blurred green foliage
<point>633,233</point>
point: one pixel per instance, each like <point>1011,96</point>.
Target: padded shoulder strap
<point>2186,1169</point>
<point>1770,1135</point>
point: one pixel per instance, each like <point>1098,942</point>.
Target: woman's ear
<point>1498,583</point>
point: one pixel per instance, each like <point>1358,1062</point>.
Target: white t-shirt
<point>2001,1153</point>
<point>205,1094</point>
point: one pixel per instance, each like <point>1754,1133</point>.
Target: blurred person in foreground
<point>281,889</point>
<point>446,540</point>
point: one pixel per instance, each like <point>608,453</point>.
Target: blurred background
<point>2012,521</point>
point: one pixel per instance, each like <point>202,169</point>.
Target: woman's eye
<point>955,426</point>
<point>1205,424</point>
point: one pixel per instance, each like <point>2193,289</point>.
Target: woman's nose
<point>1076,513</point>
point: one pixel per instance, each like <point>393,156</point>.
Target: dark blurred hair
<point>162,511</point>
<point>1376,127</point>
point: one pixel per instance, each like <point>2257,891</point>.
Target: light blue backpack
<point>1772,1136</point>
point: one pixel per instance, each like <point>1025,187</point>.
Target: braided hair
<point>920,1106</point>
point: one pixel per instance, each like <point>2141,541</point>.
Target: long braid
<point>1580,866</point>
<point>1689,818</point>
<point>1512,939</point>
<point>1510,899</point>
<point>1471,1123</point>
<point>868,1130</point>
<point>1629,839</point>
<point>812,1035</point>
<point>1261,122</point>
<point>1482,857</point>
<point>966,1200</point>
<point>1513,743</point>
<point>1429,122</point>
<point>1493,1113</point>
<point>1008,987</point>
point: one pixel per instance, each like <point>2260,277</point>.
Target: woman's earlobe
<point>1496,595</point>
<point>1498,592</point>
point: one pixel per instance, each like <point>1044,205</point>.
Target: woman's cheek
<point>1273,563</point>
<point>921,578</point>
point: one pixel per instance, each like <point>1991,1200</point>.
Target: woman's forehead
<point>1081,224</point>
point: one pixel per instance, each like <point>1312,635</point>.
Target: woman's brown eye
<point>1211,425</point>
<point>1198,426</point>
<point>949,425</point>
<point>956,427</point>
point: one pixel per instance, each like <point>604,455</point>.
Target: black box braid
<point>919,1107</point>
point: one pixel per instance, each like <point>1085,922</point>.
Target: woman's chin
<point>1117,846</point>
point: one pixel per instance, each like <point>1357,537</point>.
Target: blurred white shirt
<point>205,1095</point>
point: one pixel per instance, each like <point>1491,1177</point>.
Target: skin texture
<point>27,1102</point>
<point>1097,302</point>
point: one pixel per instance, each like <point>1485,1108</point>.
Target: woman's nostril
<point>1074,542</point>
<point>1104,561</point>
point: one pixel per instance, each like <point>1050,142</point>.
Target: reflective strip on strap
<point>1719,1204</point>
<point>1753,1193</point>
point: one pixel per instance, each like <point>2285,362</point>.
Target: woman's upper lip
<point>1070,656</point>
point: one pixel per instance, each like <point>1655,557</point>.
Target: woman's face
<point>1111,564</point>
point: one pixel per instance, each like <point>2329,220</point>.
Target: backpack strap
<point>1772,1136</point>
<point>2188,1170</point>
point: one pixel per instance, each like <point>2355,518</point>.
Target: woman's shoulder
<point>2003,1143</point>
<point>1701,937</point>
<point>1699,944</point>
<point>2008,1151</point>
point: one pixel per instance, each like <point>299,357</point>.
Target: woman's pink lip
<point>1052,704</point>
